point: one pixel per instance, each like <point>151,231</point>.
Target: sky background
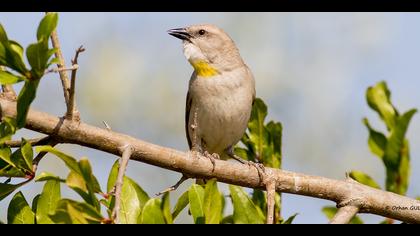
<point>311,69</point>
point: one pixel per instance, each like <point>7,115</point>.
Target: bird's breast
<point>223,104</point>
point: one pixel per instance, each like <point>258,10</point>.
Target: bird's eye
<point>201,32</point>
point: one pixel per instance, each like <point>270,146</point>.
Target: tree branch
<point>367,199</point>
<point>127,150</point>
<point>271,194</point>
<point>33,142</point>
<point>72,112</point>
<point>61,65</point>
<point>344,215</point>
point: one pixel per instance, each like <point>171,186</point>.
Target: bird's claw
<point>212,157</point>
<point>260,168</point>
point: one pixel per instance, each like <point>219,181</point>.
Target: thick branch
<point>344,215</point>
<point>367,199</point>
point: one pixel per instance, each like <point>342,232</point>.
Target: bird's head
<point>208,48</point>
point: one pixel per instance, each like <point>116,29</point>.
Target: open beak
<point>180,33</point>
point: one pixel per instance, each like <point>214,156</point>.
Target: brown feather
<point>187,118</point>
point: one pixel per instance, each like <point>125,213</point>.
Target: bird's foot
<point>259,166</point>
<point>212,157</point>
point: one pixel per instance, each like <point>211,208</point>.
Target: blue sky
<point>312,70</point>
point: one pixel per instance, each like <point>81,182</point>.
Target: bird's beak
<point>180,33</point>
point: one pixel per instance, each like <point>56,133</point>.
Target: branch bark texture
<point>343,192</point>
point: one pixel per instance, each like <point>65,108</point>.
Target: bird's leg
<point>175,186</point>
<point>259,166</point>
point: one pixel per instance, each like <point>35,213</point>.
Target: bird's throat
<point>203,69</point>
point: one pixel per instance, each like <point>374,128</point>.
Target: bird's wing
<point>187,118</point>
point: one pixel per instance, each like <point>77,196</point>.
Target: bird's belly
<point>222,120</point>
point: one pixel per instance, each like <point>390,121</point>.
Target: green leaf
<point>152,212</point>
<point>26,96</point>
<point>72,212</point>
<point>48,202</point>
<point>5,154</point>
<point>242,152</point>
<point>290,219</point>
<point>395,143</point>
<point>244,210</point>
<point>90,181</point>
<point>3,35</point>
<point>378,98</point>
<point>76,182</point>
<point>275,130</point>
<point>418,198</point>
<point>397,180</point>
<point>15,46</point>
<point>330,211</point>
<point>141,194</point>
<point>180,205</point>
<point>38,56</point>
<point>196,198</point>
<point>12,165</point>
<point>35,205</point>
<point>166,208</point>
<point>7,170</point>
<point>6,189</point>
<point>364,179</point>
<point>9,78</point>
<point>7,129</point>
<point>53,60</point>
<point>70,162</point>
<point>47,25</point>
<point>88,176</point>
<point>258,134</point>
<point>45,176</point>
<point>19,212</point>
<point>19,161</point>
<point>212,203</point>
<point>377,141</point>
<point>10,56</point>
<point>27,153</point>
<point>259,199</point>
<point>133,197</point>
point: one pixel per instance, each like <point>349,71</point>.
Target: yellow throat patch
<point>203,69</point>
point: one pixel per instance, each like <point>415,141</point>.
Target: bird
<point>220,94</point>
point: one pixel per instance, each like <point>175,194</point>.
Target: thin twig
<point>271,194</point>
<point>72,112</point>
<point>344,214</point>
<point>173,187</point>
<point>63,74</point>
<point>127,150</point>
<point>57,70</point>
<point>107,127</point>
<point>33,142</point>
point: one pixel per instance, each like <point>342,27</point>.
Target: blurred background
<point>312,70</point>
